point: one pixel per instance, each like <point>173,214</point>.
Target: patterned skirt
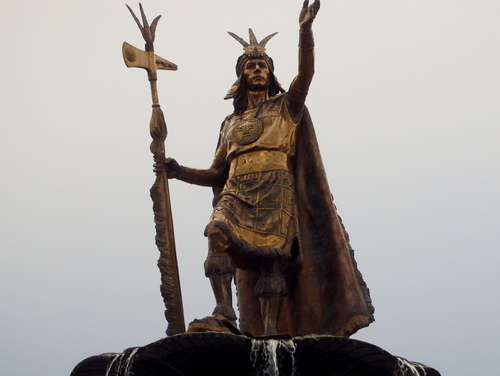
<point>258,212</point>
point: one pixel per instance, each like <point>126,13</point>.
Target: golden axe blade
<point>136,58</point>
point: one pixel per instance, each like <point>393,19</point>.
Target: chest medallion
<point>247,131</point>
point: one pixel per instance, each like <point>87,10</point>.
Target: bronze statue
<point>274,225</point>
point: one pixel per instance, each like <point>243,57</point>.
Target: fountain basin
<point>224,354</point>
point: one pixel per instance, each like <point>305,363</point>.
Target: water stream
<point>120,364</point>
<point>406,368</point>
<point>273,357</point>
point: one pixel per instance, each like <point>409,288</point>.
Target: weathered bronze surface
<point>170,283</point>
<point>274,227</point>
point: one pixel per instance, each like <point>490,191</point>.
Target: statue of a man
<point>274,225</point>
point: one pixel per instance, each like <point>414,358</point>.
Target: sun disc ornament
<point>247,131</point>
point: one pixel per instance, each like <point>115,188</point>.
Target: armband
<point>306,40</point>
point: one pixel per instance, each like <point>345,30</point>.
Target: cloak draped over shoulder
<point>330,295</point>
<point>327,294</point>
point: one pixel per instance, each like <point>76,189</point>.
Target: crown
<point>253,48</point>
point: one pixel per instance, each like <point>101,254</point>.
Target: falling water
<point>121,364</point>
<point>111,363</point>
<point>406,368</point>
<point>273,357</point>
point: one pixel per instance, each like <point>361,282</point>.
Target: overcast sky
<point>405,102</point>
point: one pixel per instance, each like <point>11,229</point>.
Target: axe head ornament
<point>136,58</point>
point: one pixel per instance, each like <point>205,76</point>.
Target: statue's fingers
<point>317,5</point>
<point>305,4</point>
<point>314,9</point>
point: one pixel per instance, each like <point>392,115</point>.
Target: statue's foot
<point>216,323</point>
<point>225,310</point>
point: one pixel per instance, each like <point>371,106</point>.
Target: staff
<point>167,263</point>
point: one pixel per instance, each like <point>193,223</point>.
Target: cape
<point>327,294</point>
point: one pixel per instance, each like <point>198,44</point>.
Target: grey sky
<point>405,104</point>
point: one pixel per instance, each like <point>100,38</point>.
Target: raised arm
<point>300,85</point>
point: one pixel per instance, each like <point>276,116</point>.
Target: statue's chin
<point>258,87</point>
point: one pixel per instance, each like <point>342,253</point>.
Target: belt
<point>257,161</point>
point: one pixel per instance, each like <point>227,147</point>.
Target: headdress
<point>253,49</point>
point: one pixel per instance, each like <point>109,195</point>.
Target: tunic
<point>257,206</point>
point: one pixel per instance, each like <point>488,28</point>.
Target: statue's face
<point>256,72</point>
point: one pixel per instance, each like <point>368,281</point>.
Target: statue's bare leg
<point>219,268</point>
<point>271,288</point>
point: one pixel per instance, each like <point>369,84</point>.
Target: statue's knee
<point>218,261</point>
<point>218,241</point>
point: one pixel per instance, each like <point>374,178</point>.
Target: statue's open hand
<point>308,14</point>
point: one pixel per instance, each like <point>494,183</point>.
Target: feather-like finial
<point>253,48</point>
